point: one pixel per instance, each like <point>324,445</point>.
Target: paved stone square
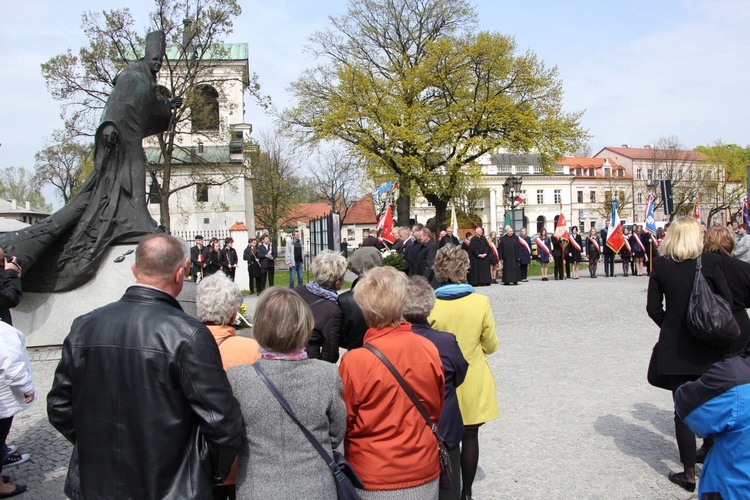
<point>577,417</point>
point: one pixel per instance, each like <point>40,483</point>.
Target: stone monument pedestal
<point>45,318</point>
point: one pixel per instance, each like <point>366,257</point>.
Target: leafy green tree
<point>415,91</point>
<point>195,31</point>
<point>17,183</point>
<point>729,188</point>
<point>64,164</point>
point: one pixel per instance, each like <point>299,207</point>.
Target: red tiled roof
<point>361,212</point>
<point>596,163</point>
<point>652,153</point>
<point>238,226</point>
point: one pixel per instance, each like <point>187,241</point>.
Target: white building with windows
<point>212,147</point>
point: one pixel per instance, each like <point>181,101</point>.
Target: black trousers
<point>524,271</point>
<point>609,264</point>
<point>5,424</point>
<point>559,269</point>
<point>685,437</point>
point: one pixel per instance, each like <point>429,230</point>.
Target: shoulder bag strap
<point>322,452</point>
<point>697,279</point>
<point>409,392</point>
<point>316,302</point>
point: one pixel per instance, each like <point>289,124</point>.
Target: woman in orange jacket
<point>387,440</point>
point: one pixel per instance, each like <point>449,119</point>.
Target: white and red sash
<point>540,244</point>
<point>627,245</point>
<point>571,239</point>
<point>655,241</point>
<point>494,250</point>
<point>524,245</point>
<point>595,243</point>
<point>640,243</point>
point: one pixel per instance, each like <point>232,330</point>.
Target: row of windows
<point>580,172</point>
<point>201,194</point>
<point>679,174</point>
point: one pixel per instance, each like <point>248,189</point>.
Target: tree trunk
<point>441,208</point>
<point>164,211</point>
<point>403,203</point>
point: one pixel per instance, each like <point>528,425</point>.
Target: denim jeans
<point>297,269</point>
<point>6,452</point>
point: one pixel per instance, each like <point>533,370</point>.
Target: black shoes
<point>679,479</point>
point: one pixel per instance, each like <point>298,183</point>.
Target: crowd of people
<point>161,404</point>
<point>190,398</point>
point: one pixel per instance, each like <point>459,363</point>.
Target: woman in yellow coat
<point>468,316</point>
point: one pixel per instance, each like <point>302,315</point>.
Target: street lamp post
<point>511,188</point>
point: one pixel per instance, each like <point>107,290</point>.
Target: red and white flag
<point>697,211</point>
<point>615,238</point>
<point>561,231</point>
<point>385,226</point>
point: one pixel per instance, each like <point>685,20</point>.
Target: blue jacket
<point>719,403</point>
<point>451,424</point>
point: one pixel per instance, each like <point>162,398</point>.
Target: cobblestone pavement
<point>578,419</point>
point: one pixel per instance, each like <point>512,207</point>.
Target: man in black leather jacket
<point>141,393</point>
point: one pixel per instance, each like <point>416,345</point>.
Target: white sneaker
<point>12,448</point>
<point>15,460</point>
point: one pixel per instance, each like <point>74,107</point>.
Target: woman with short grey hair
<point>321,295</point>
<point>218,300</point>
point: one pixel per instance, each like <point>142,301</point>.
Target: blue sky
<point>640,69</point>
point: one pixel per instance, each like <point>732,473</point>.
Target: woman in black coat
<point>678,355</point>
<point>720,240</point>
<point>213,261</point>
<point>253,265</point>
<point>593,251</point>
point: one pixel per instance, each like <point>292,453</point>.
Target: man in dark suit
<point>372,241</point>
<point>424,256</point>
<point>409,249</point>
<point>198,258</point>
<point>609,255</point>
<point>448,238</point>
<point>265,256</point>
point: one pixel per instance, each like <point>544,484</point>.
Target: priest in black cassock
<point>479,260</point>
<point>509,249</point>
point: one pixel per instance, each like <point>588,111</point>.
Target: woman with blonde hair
<point>468,316</point>
<point>388,442</point>
<point>276,460</point>
<point>678,356</point>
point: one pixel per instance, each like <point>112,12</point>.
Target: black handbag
<point>710,317</point>
<point>446,471</point>
<point>343,474</point>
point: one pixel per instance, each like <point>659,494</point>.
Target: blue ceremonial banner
<point>650,220</point>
